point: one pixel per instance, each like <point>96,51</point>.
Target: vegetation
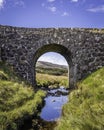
<point>17,100</point>
<point>96,30</point>
<point>45,80</point>
<point>85,108</point>
<point>51,69</point>
<point>51,75</point>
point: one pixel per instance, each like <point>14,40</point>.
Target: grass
<point>101,31</point>
<point>45,80</point>
<point>17,99</point>
<point>51,75</point>
<point>85,108</point>
<point>52,71</point>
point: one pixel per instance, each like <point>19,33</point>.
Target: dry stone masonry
<point>83,49</point>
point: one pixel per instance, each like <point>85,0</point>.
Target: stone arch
<point>58,49</point>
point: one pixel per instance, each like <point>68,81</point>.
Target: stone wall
<point>82,48</point>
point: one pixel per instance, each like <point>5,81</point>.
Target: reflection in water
<point>53,107</point>
<point>54,101</point>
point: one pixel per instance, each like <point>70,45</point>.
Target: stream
<point>50,112</point>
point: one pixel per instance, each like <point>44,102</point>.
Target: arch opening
<point>52,71</point>
<point>60,50</point>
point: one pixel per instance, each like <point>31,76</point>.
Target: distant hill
<point>49,65</point>
<point>50,68</point>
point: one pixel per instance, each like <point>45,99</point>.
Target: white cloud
<point>52,9</point>
<point>1,4</point>
<point>19,3</point>
<point>12,3</point>
<point>50,0</point>
<point>54,58</point>
<point>74,0</point>
<point>97,9</point>
<point>65,14</point>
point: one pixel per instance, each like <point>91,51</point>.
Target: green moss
<point>85,109</point>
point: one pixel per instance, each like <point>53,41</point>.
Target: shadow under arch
<point>58,49</point>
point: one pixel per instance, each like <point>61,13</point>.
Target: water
<point>53,105</point>
<point>51,111</point>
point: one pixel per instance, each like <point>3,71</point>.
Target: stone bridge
<point>82,48</point>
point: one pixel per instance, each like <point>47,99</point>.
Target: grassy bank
<point>17,100</point>
<point>46,80</point>
<point>85,109</point>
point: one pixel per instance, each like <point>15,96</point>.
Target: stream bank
<point>51,111</point>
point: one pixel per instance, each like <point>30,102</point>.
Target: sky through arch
<point>53,57</point>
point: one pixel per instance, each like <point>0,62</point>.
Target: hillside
<point>50,65</point>
<point>85,108</point>
<point>53,75</point>
<point>17,99</point>
<point>50,68</point>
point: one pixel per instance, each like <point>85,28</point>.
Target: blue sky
<point>52,13</point>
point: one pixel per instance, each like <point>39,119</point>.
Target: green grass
<point>52,71</point>
<point>45,80</point>
<point>17,99</point>
<point>85,108</point>
<point>51,75</point>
